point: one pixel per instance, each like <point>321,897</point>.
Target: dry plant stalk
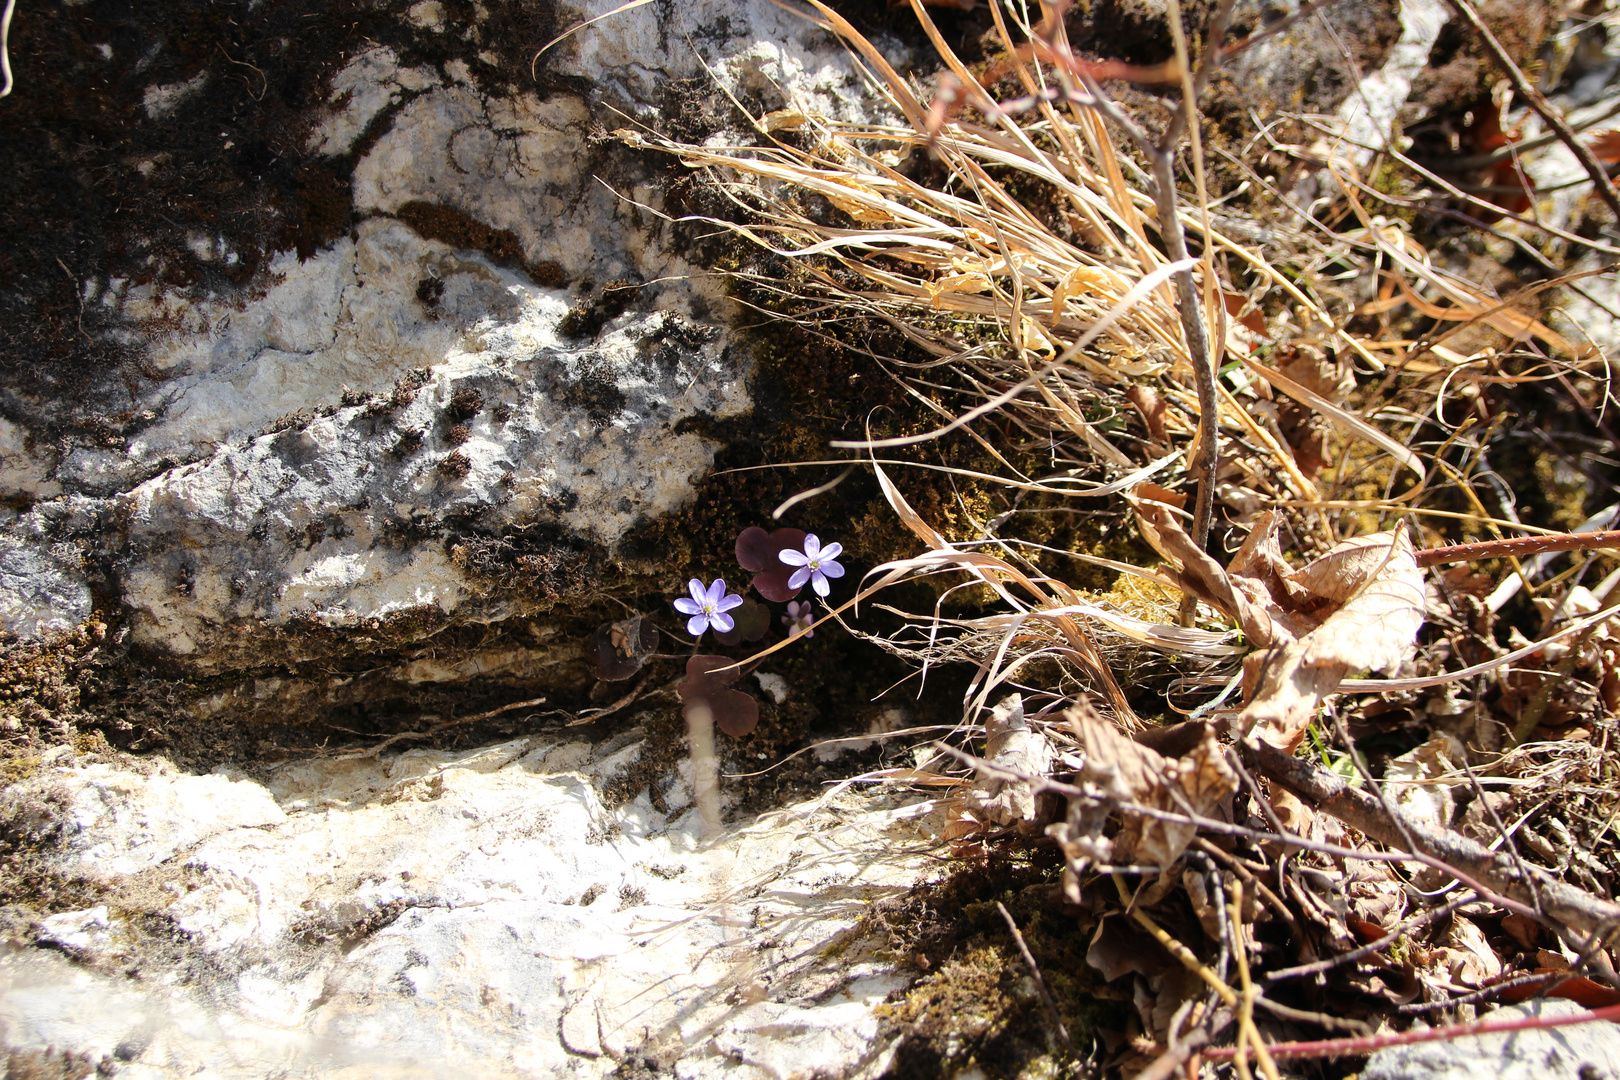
<point>1357,607</point>
<point>1038,326</point>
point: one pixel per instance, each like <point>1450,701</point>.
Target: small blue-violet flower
<point>815,564</point>
<point>798,619</point>
<point>708,607</point>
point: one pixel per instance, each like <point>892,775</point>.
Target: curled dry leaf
<point>1010,745</point>
<point>1376,583</point>
<point>1357,608</point>
<point>1119,947</point>
<point>1126,771</point>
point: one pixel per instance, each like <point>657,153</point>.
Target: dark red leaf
<point>707,683</point>
<point>772,580</point>
<point>707,675</point>
<point>753,548</point>
<point>752,620</point>
<point>735,713</point>
<point>622,647</point>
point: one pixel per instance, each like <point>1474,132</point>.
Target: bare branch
<point>1494,872</point>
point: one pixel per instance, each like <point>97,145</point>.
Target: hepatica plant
<point>783,562</point>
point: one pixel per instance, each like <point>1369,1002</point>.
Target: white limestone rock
<point>42,586</point>
<point>119,822</point>
<point>262,484</point>
<point>294,524</point>
<point>1573,1052</point>
<point>480,909</point>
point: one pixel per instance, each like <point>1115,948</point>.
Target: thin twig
<point>1543,108</point>
<point>1487,993</point>
<point>1366,1044</point>
<point>1248,1034</point>
<point>1175,948</point>
<point>1494,875</point>
<point>1519,545</point>
<point>1040,980</point>
<point>1416,922</point>
<point>443,725</point>
<point>1503,153</point>
<point>1161,153</point>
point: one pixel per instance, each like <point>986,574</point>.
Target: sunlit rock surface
<point>364,918</point>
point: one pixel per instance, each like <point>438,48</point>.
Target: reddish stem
<point>1366,1044</point>
<point>1519,545</point>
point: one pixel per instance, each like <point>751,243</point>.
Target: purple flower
<point>708,607</point>
<point>815,564</point>
<point>798,619</point>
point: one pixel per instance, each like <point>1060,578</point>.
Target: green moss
<point>977,1005</point>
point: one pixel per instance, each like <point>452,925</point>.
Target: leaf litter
<point>1259,845</point>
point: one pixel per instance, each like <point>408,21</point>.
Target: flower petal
<point>695,588</point>
<point>688,607</point>
<point>722,622</point>
<point>716,591</point>
<point>697,624</point>
<point>818,582</point>
<point>728,602</point>
<point>800,576</point>
<point>793,558</point>
<point>832,569</point>
<point>831,551</point>
<point>812,546</point>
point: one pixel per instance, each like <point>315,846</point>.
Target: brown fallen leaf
<point>1374,629</point>
<point>1152,408</point>
<point>1130,772</point>
<point>1606,146</point>
<point>1013,746</point>
<point>1203,576</point>
<point>1119,947</point>
<point>1358,607</point>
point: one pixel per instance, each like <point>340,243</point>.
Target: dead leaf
<point>1210,916</point>
<point>1423,780</point>
<point>1295,816</point>
<point>1010,745</point>
<point>783,120</point>
<point>1378,588</point>
<point>1358,607</point>
<point>1311,368</point>
<point>1202,575</point>
<point>1479,962</point>
<point>1118,948</point>
<point>1152,408</point>
<point>1522,929</point>
<point>1580,989</point>
<point>1129,772</point>
<point>1239,307</point>
<point>1606,146</point>
<point>1158,493</point>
